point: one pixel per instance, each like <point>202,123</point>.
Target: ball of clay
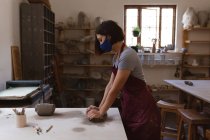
<point>102,119</point>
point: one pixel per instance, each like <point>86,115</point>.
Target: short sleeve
<point>127,61</point>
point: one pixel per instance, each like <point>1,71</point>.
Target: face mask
<point>106,46</point>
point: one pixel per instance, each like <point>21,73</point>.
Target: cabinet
<point>37,42</point>
<point>196,59</point>
<point>84,74</point>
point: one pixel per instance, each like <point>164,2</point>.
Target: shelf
<point>48,43</point>
<point>74,76</point>
<point>109,53</point>
<point>196,42</point>
<point>47,66</point>
<point>168,53</point>
<point>197,54</point>
<point>204,78</point>
<point>48,54</point>
<point>48,31</point>
<point>72,89</point>
<point>48,78</point>
<point>49,20</point>
<point>190,66</point>
<point>159,65</point>
<point>164,90</point>
<point>72,65</point>
<point>76,53</point>
<point>197,29</point>
<point>74,28</point>
<point>195,77</point>
<point>84,53</point>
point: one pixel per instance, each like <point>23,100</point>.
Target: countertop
<point>68,124</point>
<point>200,88</point>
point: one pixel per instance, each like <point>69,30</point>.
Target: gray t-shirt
<point>129,60</point>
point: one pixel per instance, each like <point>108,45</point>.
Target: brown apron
<point>140,115</point>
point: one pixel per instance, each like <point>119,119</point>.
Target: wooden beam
<point>16,63</point>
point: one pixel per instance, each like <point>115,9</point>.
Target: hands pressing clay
<point>94,115</point>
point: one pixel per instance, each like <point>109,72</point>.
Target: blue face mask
<point>106,46</point>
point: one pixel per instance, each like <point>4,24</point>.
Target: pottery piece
<point>203,18</point>
<point>98,21</point>
<point>45,109</point>
<point>70,22</point>
<point>189,18</point>
<point>83,20</point>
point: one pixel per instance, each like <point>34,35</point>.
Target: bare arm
<point>118,83</point>
<point>107,89</point>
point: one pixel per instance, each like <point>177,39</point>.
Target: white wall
<point>9,30</point>
<point>114,10</point>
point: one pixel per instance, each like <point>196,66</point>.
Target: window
<point>155,22</point>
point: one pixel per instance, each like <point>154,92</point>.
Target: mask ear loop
<point>109,38</point>
<point>97,47</point>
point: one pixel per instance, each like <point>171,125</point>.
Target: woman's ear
<point>97,47</point>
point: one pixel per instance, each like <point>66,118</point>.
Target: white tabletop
<point>200,88</point>
<point>17,92</point>
<point>68,124</point>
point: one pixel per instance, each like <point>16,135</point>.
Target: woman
<point>140,115</point>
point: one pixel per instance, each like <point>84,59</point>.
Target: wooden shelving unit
<point>87,65</point>
<point>82,71</point>
<point>197,54</point>
<point>197,43</point>
<point>87,90</point>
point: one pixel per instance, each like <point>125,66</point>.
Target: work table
<point>68,124</point>
<point>199,89</point>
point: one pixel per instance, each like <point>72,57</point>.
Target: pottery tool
<point>37,129</point>
<point>49,128</point>
<point>22,112</point>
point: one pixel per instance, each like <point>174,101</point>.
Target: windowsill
<point>168,52</point>
<point>160,59</point>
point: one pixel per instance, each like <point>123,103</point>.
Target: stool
<point>171,108</point>
<point>193,119</point>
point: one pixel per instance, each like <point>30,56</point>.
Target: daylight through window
<point>155,22</point>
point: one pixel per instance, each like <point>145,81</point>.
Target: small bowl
<point>45,109</point>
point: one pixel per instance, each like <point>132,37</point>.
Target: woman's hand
<point>94,113</point>
<point>90,108</point>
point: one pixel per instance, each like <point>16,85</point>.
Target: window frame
<point>139,8</point>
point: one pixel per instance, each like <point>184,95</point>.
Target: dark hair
<point>109,28</point>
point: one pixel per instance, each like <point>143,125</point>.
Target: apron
<point>140,115</point>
